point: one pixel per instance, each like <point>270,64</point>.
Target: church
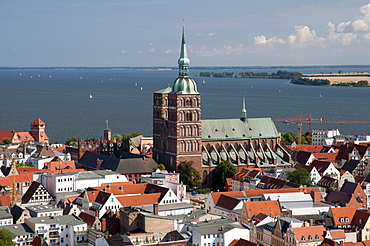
<point>179,133</point>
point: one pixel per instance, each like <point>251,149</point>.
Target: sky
<point>112,33</point>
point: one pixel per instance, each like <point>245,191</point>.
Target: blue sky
<point>219,33</point>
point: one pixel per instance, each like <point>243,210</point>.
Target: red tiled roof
<point>309,233</point>
<point>5,201</point>
<point>6,135</point>
<point>271,208</point>
<point>308,148</point>
<point>37,122</point>
<point>342,212</point>
<point>337,234</point>
<point>137,200</point>
<point>326,156</point>
<point>241,242</point>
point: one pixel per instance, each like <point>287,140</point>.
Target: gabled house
<point>350,195</point>
<point>228,205</point>
<point>353,152</point>
<point>304,157</point>
<point>314,174</point>
<point>326,168</point>
<point>345,176</point>
<point>245,179</point>
<point>307,235</point>
<point>278,237</point>
<point>271,208</point>
<point>37,194</point>
<point>355,167</point>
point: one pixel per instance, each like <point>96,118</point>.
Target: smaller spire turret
<point>243,116</point>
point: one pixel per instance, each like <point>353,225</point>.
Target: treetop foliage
<point>189,175</point>
<point>224,170</point>
<point>300,176</point>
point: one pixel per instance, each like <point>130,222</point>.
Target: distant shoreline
<point>338,78</point>
<point>166,68</point>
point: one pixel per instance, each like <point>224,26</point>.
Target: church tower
<point>176,119</point>
<point>38,131</point>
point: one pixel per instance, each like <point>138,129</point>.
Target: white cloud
<point>342,26</point>
<point>304,37</point>
<point>123,51</point>
<point>168,51</point>
<point>152,50</point>
<point>360,26</point>
<point>151,44</point>
<point>338,34</point>
<point>211,34</point>
<point>345,33</point>
<point>262,41</point>
<point>367,36</point>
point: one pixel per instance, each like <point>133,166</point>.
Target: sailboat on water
<point>91,96</point>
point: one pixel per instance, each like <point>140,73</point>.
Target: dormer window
<point>317,237</point>
<point>309,237</point>
<point>303,238</point>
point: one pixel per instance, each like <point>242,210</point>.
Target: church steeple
<point>184,84</point>
<point>183,61</point>
<point>243,116</point>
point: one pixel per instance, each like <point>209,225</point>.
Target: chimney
<point>103,225</point>
<point>222,228</point>
<point>96,213</point>
<point>155,208</point>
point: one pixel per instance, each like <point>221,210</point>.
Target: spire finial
<point>183,60</point>
<point>243,116</point>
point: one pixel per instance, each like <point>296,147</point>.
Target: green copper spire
<point>243,117</point>
<point>183,60</point>
<point>184,84</point>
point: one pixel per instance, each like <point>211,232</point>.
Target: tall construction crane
<point>300,120</point>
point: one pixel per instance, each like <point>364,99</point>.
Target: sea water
<point>124,97</point>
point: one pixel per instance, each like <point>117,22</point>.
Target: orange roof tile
<point>70,199</point>
<point>342,212</point>
<point>337,234</point>
<point>139,199</point>
<point>309,233</point>
<point>5,201</point>
<point>271,208</point>
<point>308,148</point>
<point>37,122</point>
<point>325,156</point>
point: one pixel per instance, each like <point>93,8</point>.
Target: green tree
<point>223,170</point>
<point>117,137</point>
<point>189,175</point>
<point>160,167</point>
<point>300,176</point>
<point>6,141</point>
<point>288,137</point>
<point>72,141</point>
<point>6,238</point>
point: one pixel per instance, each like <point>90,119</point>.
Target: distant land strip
<point>359,79</point>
